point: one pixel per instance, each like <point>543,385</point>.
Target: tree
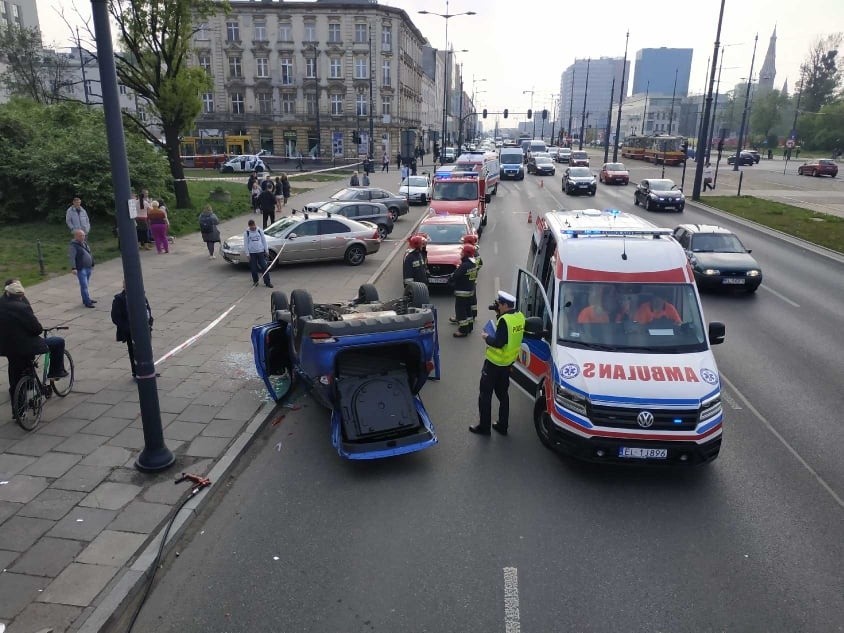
<point>824,129</point>
<point>821,73</point>
<point>767,112</point>
<point>31,71</point>
<point>155,37</point>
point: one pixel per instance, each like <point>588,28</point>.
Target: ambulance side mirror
<point>717,333</point>
<point>533,327</point>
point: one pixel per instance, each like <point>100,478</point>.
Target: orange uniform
<point>646,313</point>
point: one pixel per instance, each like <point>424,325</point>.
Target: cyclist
<point>20,337</point>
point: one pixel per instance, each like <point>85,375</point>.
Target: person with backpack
<point>120,318</point>
<point>208,222</point>
<point>255,244</point>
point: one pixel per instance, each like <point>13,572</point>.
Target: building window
<point>208,102</point>
<point>386,105</point>
<point>335,68</point>
<point>232,32</point>
<point>265,102</point>
<point>285,30</point>
<point>260,34</point>
<point>89,86</point>
<point>310,104</point>
<point>360,68</point>
<point>334,32</point>
<point>288,103</point>
<point>286,71</point>
<point>142,113</point>
<point>310,31</point>
<point>122,88</point>
<point>336,104</point>
<point>386,38</point>
<point>237,103</point>
<point>201,32</point>
<point>360,34</point>
<point>234,67</point>
<point>205,62</point>
<point>310,68</point>
<point>262,65</point>
<point>362,105</point>
<point>386,74</point>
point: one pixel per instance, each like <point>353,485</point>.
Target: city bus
<point>212,151</point>
<point>634,147</point>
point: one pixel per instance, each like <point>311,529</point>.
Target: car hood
<point>443,253</point>
<point>235,241</point>
<point>582,179</point>
<point>738,261</point>
<point>667,194</point>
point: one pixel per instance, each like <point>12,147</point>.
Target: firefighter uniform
<point>413,268</point>
<point>464,292</point>
<point>478,265</point>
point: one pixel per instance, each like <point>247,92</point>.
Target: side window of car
<point>332,227</point>
<point>685,240</point>
<point>348,210</point>
<point>308,228</point>
<point>361,194</point>
<point>377,194</point>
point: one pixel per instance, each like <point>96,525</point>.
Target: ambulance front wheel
<point>542,422</point>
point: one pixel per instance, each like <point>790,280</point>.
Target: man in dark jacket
<point>414,265</point>
<point>266,202</point>
<point>464,291</point>
<point>20,337</point>
<point>120,318</point>
<point>82,265</point>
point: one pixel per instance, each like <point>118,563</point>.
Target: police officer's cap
<point>506,297</point>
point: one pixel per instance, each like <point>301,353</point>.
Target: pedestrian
<point>385,163</point>
<point>266,202</point>
<point>21,340</point>
<point>354,181</point>
<point>797,151</point>
<point>404,172</point>
<point>413,267</point>
<point>502,350</point>
<point>413,167</point>
<point>256,191</point>
<point>299,165</point>
<point>364,181</point>
<point>251,181</point>
<point>76,217</point>
<point>285,189</point>
<point>82,265</point>
<point>120,318</point>
<point>255,243</point>
<point>707,177</point>
<point>464,291</point>
<point>266,182</point>
<point>208,226</point>
<point>142,221</point>
<point>279,198</point>
<point>158,224</point>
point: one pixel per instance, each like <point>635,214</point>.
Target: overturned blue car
<point>365,359</point>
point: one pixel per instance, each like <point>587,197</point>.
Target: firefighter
<point>476,259</point>
<point>414,267</point>
<point>464,291</point>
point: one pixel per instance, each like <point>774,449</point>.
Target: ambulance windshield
<point>646,318</point>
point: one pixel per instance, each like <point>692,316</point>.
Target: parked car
<point>448,155</point>
<point>756,155</point>
<point>579,180</point>
<point>397,205</point>
<point>659,194</point>
<point>563,154</point>
<point>818,167</point>
<point>244,163</point>
<point>579,159</point>
<point>311,237</point>
<point>540,165</point>
<point>374,212</point>
<point>552,152</point>
<point>746,159</point>
<point>445,235</point>
<point>718,258</point>
<point>416,189</point>
<point>615,173</point>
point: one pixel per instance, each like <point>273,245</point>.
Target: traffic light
<point>530,113</point>
<point>544,114</point>
<point>484,112</point>
<point>505,113</point>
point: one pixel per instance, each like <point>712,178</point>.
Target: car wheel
<point>394,213</point>
<point>542,423</point>
<point>647,204</point>
<point>680,210</point>
<point>367,293</point>
<point>301,306</point>
<point>355,255</point>
<point>635,200</point>
<point>278,301</point>
<point>751,289</point>
<point>815,173</point>
<point>592,193</point>
<point>495,190</point>
<point>382,232</point>
<point>423,199</point>
<point>227,170</point>
<point>271,255</point>
<point>417,294</point>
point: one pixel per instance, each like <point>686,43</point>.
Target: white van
<point>616,357</point>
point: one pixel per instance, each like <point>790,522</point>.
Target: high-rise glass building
<point>654,71</point>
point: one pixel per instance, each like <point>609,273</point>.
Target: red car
<point>818,167</point>
<point>614,173</point>
<point>445,235</point>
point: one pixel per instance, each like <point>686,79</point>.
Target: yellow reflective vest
<point>503,356</point>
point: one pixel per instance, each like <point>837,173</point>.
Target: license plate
<point>669,208</point>
<point>642,453</point>
<point>582,186</point>
<point>438,280</point>
<point>733,280</point>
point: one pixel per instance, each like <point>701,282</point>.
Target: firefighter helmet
<point>470,239</point>
<point>417,241</point>
<point>468,250</point>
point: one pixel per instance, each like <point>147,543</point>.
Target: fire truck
<point>460,193</point>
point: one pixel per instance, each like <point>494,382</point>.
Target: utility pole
<point>671,111</point>
<point>533,116</point>
<point>460,115</point>
<point>554,118</point>
<point>583,112</point>
<point>318,95</point>
<point>371,148</point>
<point>645,111</point>
<point>620,101</point>
<point>609,124</point>
<point>715,108</point>
<point>793,134</point>
<point>746,105</point>
<point>571,100</point>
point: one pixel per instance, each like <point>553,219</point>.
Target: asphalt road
<point>499,534</point>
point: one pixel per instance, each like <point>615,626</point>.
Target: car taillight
<point>322,337</point>
<point>375,235</point>
<point>429,366</point>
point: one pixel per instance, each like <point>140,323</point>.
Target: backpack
<point>205,224</point>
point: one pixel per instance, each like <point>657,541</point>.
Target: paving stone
<point>130,437</point>
<point>52,504</point>
<point>224,428</point>
<point>5,443</point>
<point>107,456</point>
<point>78,584</point>
<point>36,445</point>
<point>242,406</point>
<point>13,464</point>
<point>19,533</point>
<point>112,548</point>
<point>38,615</point>
<point>52,465</point>
<point>84,478</point>
<point>182,430</point>
<point>12,431</point>
<point>198,413</point>
<point>124,410</point>
<point>108,396</point>
<point>6,559</point>
<point>93,522</point>
<point>140,516</point>
<point>60,407</point>
<point>90,410</point>
<point>169,404</point>
<point>22,488</point>
<point>108,426</point>
<point>208,446</point>
<point>7,509</point>
<point>129,474</point>
<point>66,426</point>
<point>164,492</point>
<point>18,590</point>
<point>111,496</point>
<point>81,443</point>
<point>47,557</point>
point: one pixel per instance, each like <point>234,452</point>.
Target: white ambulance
<point>616,356</point>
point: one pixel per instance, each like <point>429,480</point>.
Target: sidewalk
<point>75,514</point>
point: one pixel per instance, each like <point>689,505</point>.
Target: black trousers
<point>18,367</point>
<point>131,349</point>
<point>268,215</point>
<point>258,264</point>
<point>494,378</point>
<point>463,314</point>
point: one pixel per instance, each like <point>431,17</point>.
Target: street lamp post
<point>316,80</point>
<point>609,124</point>
<point>571,102</point>
<point>746,106</point>
<point>715,108</point>
<point>620,101</point>
<point>556,97</point>
<point>583,116</point>
<point>524,92</point>
<point>645,111</point>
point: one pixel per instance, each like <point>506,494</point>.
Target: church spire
<point>769,69</point>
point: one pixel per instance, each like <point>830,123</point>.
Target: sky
<point>517,45</point>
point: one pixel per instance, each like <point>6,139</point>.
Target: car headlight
<point>754,273</point>
<point>711,271</point>
<point>654,196</point>
<point>710,409</point>
<point>568,399</point>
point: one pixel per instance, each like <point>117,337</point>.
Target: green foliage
<point>31,71</point>
<point>54,152</point>
<point>824,129</point>
<point>821,73</point>
<point>767,112</point>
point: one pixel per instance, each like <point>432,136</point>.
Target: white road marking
<point>785,443</point>
<point>495,248</point>
<point>512,623</point>
<point>781,296</point>
<point>497,284</point>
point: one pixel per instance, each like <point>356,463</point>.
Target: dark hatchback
<point>718,258</point>
<point>579,180</point>
<point>659,194</point>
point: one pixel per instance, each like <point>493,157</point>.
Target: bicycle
<point>31,390</point>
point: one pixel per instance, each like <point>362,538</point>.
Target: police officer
<point>464,291</point>
<point>501,352</point>
<point>414,266</point>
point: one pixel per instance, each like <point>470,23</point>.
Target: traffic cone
<point>530,217</point>
<point>542,184</point>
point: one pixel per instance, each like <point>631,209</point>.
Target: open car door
<point>534,360</point>
<point>271,349</point>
